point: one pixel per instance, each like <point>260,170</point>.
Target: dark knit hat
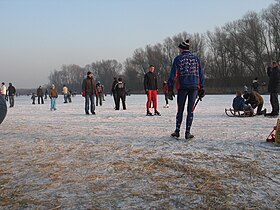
<point>184,45</point>
<point>89,72</point>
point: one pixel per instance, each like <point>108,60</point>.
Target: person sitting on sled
<point>255,100</point>
<point>238,104</point>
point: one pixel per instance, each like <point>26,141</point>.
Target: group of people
<point>252,100</point>
<point>186,72</point>
<point>8,93</point>
<point>187,76</point>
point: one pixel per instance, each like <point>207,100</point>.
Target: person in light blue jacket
<point>189,76</point>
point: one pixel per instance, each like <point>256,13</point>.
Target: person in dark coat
<point>120,92</point>
<point>151,88</point>
<point>88,91</point>
<point>255,85</point>
<point>11,94</point>
<point>40,95</point>
<point>273,88</point>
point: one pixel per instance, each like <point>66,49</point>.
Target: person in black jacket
<point>151,88</point>
<point>11,94</point>
<point>40,95</point>
<point>273,88</point>
<point>120,93</point>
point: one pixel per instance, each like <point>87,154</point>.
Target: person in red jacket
<point>165,91</point>
<point>151,88</point>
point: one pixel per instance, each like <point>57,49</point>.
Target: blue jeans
<point>182,96</point>
<point>53,103</point>
<point>92,105</point>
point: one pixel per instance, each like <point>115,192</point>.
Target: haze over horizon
<point>39,36</point>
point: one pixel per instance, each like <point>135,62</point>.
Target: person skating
<point>255,85</point>
<point>3,90</point>
<point>65,93</point>
<point>188,73</point>
<point>273,88</point>
<point>88,91</point>
<point>151,88</point>
<point>11,94</point>
<point>33,98</point>
<point>53,96</point>
<point>113,91</point>
<point>40,95</point>
<point>99,92</point>
<point>165,92</point>
<point>121,94</point>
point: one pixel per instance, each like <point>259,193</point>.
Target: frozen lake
<point>124,159</point>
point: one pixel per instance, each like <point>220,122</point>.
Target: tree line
<point>231,56</point>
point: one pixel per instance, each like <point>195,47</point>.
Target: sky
<point>39,36</point>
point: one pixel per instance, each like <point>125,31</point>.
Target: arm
<point>172,75</point>
<point>145,82</point>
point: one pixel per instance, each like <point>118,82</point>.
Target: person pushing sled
<point>240,109</point>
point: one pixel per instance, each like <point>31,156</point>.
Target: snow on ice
<point>123,159</point>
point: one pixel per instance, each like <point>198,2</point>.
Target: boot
<point>188,136</point>
<point>157,113</point>
<point>149,113</point>
<point>175,134</point>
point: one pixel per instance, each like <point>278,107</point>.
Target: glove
<point>170,95</point>
<point>83,93</point>
<point>201,93</point>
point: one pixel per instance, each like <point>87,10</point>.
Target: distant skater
<point>99,93</point>
<point>40,95</point>
<point>165,92</point>
<point>151,88</point>
<point>120,90</point>
<point>11,94</point>
<point>33,98</point>
<point>113,91</point>
<point>53,97</point>
<point>88,91</point>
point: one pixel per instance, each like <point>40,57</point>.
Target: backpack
<point>99,89</point>
<point>120,85</point>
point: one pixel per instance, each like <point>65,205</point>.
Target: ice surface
<point>124,159</point>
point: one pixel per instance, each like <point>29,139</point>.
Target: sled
<point>233,113</point>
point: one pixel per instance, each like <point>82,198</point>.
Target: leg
<point>181,101</point>
<point>115,99</point>
<point>274,103</point>
<point>54,103</point>
<point>123,102</point>
<point>259,109</point>
<point>154,97</point>
<point>92,105</point>
<point>192,94</point>
<point>12,101</point>
<point>51,103</point>
<point>166,99</point>
<point>86,104</point>
<point>100,98</point>
<point>149,99</point>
